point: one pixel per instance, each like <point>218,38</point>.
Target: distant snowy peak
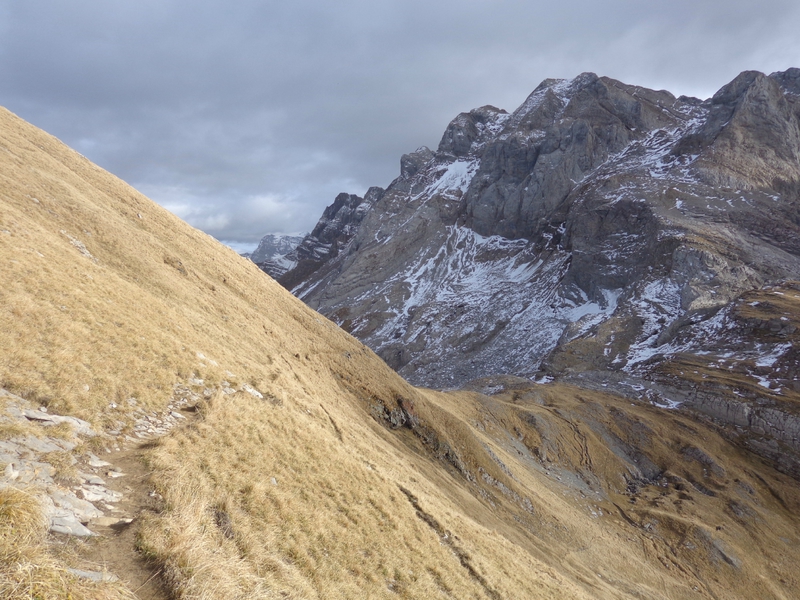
<point>275,245</point>
<point>271,253</point>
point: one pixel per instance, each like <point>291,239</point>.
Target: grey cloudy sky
<point>248,117</point>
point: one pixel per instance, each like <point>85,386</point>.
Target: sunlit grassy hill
<point>308,468</point>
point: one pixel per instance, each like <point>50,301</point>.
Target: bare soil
<point>114,550</point>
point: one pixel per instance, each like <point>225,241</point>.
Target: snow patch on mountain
<point>457,176</point>
<point>590,314</point>
<point>476,294</point>
<point>769,359</point>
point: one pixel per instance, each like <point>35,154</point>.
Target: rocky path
<point>92,500</point>
<point>113,549</point>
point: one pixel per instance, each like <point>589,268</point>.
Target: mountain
<point>173,424</point>
<point>271,253</point>
<point>593,200</point>
<point>597,231</point>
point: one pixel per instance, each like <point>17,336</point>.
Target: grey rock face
<point>742,369</point>
<point>562,132</point>
<point>96,576</point>
<point>751,137</point>
<point>583,231</point>
<point>410,164</point>
<point>81,427</point>
<point>335,229</point>
<point>789,80</point>
<point>469,129</point>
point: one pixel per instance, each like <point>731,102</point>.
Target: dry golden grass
<point>357,510</point>
<point>711,502</point>
<point>335,522</point>
<point>107,296</point>
<point>308,493</point>
<point>9,430</point>
<point>781,301</point>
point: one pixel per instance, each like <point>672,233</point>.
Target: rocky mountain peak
<point>732,92</point>
<point>333,232</point>
<point>750,137</point>
<point>789,80</point>
<point>410,164</point>
<point>469,129</point>
<point>562,132</point>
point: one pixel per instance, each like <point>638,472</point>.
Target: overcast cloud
<point>248,117</point>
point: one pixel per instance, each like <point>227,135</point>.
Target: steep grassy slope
<point>310,469</point>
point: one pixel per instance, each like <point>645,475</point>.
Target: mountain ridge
<point>599,230</point>
<point>595,178</point>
